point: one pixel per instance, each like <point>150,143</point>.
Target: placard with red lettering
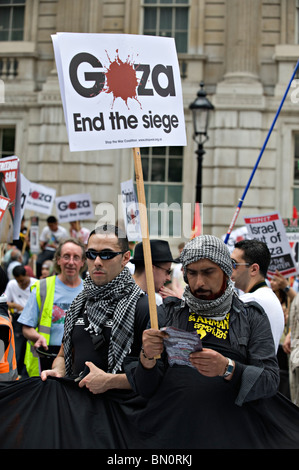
<point>40,198</point>
<point>10,188</point>
<point>270,229</point>
<point>74,207</point>
<point>119,90</point>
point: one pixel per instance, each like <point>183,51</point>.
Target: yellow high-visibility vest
<point>45,289</point>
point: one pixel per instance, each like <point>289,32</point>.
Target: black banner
<point>183,414</point>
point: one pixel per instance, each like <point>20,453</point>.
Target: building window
<point>163,184</point>
<point>7,141</point>
<point>168,18</point>
<point>12,14</point>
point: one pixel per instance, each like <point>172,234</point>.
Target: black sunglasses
<point>92,254</point>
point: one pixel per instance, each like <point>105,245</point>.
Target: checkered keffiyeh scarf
<point>214,249</point>
<point>117,301</point>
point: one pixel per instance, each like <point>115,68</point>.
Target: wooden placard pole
<point>145,239</point>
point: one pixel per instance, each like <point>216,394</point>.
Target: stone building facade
<point>245,51</point>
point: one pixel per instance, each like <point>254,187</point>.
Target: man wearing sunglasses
<point>105,322</point>
<point>161,261</point>
<point>250,262</point>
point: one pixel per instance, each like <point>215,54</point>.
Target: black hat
<point>160,252</point>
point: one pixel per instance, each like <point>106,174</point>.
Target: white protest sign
<point>74,207</point>
<point>25,188</point>
<point>3,206</point>
<point>292,230</point>
<point>119,91</point>
<point>40,198</point>
<point>236,235</point>
<point>34,235</point>
<point>131,211</point>
<point>270,230</point>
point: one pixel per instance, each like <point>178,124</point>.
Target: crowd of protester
<point>22,270</point>
<point>85,281</point>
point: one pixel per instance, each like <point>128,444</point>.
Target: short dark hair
<point>19,271</point>
<point>255,251</point>
<point>112,230</point>
<point>139,267</point>
<point>51,219</point>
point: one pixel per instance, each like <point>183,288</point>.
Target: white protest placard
<point>25,188</point>
<point>34,235</point>
<point>3,206</point>
<point>236,235</point>
<point>74,207</point>
<point>40,198</point>
<point>292,230</point>
<point>131,211</point>
<point>119,91</point>
<point>270,229</point>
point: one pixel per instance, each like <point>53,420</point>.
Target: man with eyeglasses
<point>105,322</point>
<point>43,316</point>
<point>250,262</point>
<point>161,262</point>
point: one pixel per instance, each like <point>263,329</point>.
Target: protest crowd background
<point>149,67</point>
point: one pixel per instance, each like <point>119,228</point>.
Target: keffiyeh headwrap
<point>117,301</point>
<point>214,249</point>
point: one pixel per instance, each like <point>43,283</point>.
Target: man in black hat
<point>161,262</point>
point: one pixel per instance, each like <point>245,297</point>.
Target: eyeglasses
<point>235,264</point>
<point>92,254</point>
<point>168,271</point>
<point>76,258</point>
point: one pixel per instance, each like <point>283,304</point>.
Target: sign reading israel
<point>119,91</point>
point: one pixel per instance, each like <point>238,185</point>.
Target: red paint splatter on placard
<point>72,205</point>
<point>121,79</point>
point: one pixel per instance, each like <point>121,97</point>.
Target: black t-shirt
<point>213,333</point>
<point>83,348</point>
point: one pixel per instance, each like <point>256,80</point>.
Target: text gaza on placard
<point>117,121</point>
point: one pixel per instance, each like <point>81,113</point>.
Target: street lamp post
<point>200,108</point>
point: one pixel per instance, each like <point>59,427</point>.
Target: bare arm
<point>15,306</point>
<point>282,283</point>
<point>31,334</point>
<point>98,381</point>
<point>58,366</point>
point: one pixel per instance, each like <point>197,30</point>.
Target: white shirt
<point>48,236</point>
<point>83,234</point>
<point>272,306</point>
<point>17,295</point>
